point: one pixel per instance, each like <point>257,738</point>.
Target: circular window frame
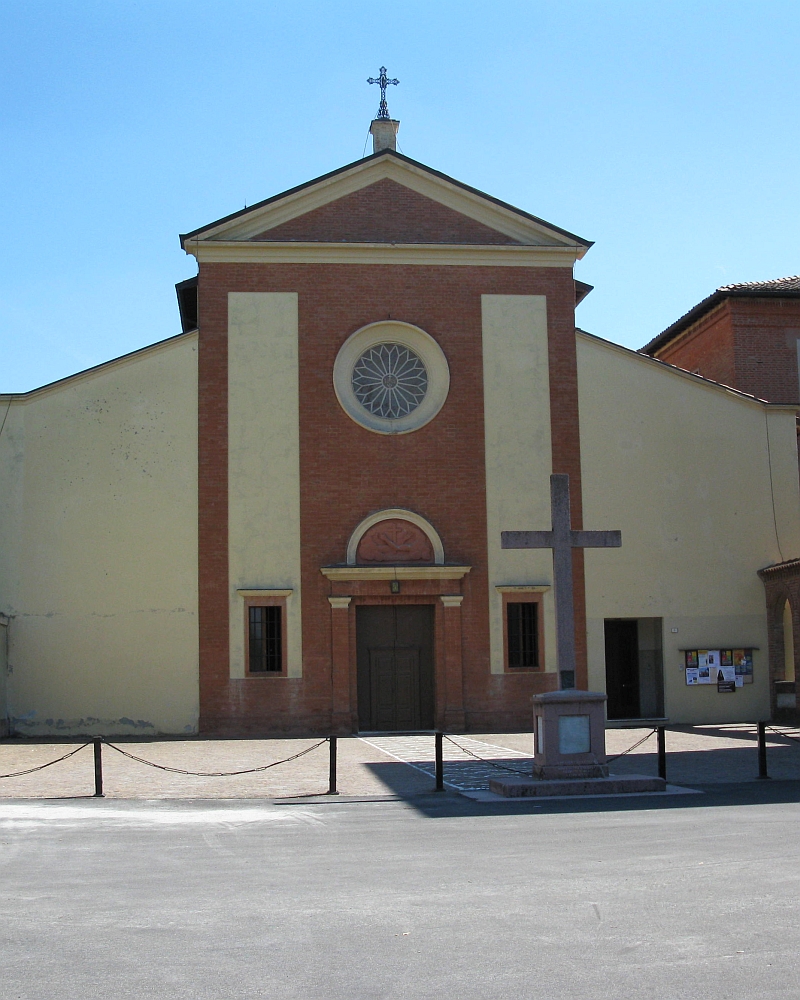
<point>415,339</point>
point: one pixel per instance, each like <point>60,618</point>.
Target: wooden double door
<point>395,667</point>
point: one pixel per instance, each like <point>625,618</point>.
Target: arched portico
<point>782,586</point>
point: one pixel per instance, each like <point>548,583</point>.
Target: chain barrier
<point>526,774</point>
<point>483,760</point>
<point>98,740</point>
<point>213,774</point>
<point>41,767</point>
<point>788,736</point>
<point>644,739</point>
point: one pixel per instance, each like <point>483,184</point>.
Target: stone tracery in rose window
<point>390,380</point>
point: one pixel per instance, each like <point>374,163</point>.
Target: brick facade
<point>747,343</point>
<point>385,212</point>
<point>707,348</point>
<point>766,332</point>
<point>348,472</point>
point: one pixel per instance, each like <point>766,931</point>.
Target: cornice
<point>105,366</point>
<point>502,255</point>
<point>265,592</point>
<point>667,366</point>
<point>348,573</point>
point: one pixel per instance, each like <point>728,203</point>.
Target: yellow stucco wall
<point>98,548</point>
<point>263,462</point>
<point>3,676</point>
<point>682,467</point>
<point>516,392</point>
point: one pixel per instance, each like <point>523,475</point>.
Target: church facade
<point>287,518</point>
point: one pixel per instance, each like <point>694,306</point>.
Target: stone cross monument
<point>569,755</point>
<point>562,539</point>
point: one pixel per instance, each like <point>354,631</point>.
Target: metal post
<point>332,767</point>
<point>97,743</point>
<point>762,750</point>
<point>662,752</point>
<point>439,763</point>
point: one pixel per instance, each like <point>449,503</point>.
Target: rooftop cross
<point>562,540</point>
<point>383,82</point>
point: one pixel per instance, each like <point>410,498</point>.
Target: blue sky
<point>665,132</point>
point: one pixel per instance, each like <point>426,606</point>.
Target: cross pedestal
<point>569,735</point>
<point>570,752</point>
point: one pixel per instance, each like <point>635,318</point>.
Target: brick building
<point>745,335</point>
<point>287,518</point>
<point>748,336</point>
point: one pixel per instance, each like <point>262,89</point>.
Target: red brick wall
<point>385,212</point>
<point>747,343</point>
<point>348,472</point>
<point>707,348</point>
<point>765,336</point>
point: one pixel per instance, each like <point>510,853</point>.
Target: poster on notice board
<point>727,668</point>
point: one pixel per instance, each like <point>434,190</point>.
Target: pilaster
<point>454,667</point>
<point>341,715</point>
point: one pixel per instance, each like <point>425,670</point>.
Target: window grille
<point>523,634</point>
<point>266,640</point>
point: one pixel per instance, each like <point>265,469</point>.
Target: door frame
<point>381,624</point>
<point>658,666</point>
<point>448,680</point>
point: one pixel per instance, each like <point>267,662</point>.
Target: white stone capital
<point>451,600</point>
<point>340,602</point>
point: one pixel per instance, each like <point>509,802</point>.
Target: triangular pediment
<point>386,198</point>
<point>385,212</point>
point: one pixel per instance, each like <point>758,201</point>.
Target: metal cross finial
<point>383,82</point>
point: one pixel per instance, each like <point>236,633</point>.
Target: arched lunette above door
<point>406,538</point>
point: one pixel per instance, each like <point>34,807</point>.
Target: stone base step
<point>614,784</point>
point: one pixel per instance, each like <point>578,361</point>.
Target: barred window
<point>266,640</point>
<point>523,634</point>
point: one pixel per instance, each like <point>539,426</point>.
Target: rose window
<point>390,381</point>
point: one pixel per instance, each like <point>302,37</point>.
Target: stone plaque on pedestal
<point>569,735</point>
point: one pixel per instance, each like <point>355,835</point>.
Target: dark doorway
<point>395,667</point>
<point>622,668</point>
<point>634,674</point>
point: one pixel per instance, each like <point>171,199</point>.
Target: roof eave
<point>704,307</point>
<point>692,376</point>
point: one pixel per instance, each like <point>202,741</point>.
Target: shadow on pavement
<point>450,804</point>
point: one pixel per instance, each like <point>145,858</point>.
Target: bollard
<point>439,763</point>
<point>332,767</point>
<point>662,752</point>
<point>762,750</point>
<point>98,766</point>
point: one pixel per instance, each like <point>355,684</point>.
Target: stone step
<point>614,784</point>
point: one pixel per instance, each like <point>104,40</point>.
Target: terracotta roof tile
<point>776,287</point>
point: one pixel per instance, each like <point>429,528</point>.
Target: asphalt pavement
<point>436,896</point>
